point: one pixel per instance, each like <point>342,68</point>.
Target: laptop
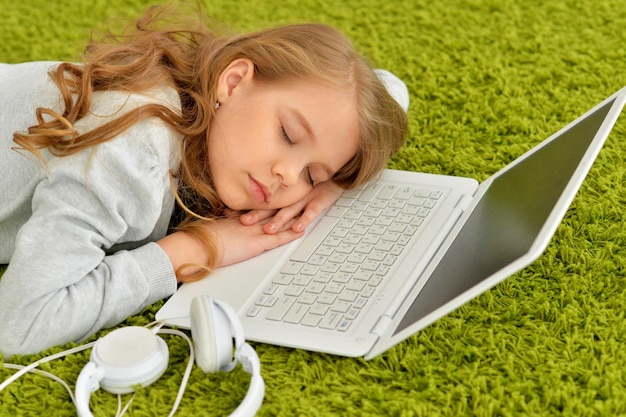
<point>394,256</point>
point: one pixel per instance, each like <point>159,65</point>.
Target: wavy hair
<point>167,48</point>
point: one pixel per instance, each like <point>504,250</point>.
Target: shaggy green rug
<point>488,79</point>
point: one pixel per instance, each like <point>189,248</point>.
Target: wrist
<point>183,248</point>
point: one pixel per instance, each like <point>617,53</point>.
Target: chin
<point>235,204</point>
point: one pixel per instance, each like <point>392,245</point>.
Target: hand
<point>319,199</point>
<point>236,242</point>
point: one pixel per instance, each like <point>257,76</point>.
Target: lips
<point>260,193</point>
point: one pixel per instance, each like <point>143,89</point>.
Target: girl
<point>171,151</point>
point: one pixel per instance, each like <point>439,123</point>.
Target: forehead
<point>325,112</point>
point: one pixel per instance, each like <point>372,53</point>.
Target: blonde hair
<point>189,57</point>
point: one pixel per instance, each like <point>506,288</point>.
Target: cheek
<point>290,196</point>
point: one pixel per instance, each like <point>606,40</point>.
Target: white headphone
<point>134,355</point>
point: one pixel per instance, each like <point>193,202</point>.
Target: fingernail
<point>270,227</point>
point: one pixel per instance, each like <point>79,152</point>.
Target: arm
<point>63,283</point>
<point>234,243</point>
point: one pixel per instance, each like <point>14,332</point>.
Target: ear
<point>237,74</point>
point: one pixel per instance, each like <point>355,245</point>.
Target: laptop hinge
<point>381,326</point>
<point>464,201</point>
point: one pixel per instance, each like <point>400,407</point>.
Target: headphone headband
<point>135,355</point>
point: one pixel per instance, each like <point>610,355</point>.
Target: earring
<point>217,105</point>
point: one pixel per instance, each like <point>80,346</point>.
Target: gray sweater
<point>78,232</point>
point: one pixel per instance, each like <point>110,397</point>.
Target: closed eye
<point>285,136</point>
<point>309,176</point>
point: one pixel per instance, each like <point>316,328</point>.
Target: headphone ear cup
<point>212,336</point>
<point>129,356</point>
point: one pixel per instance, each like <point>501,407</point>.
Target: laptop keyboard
<point>337,269</point>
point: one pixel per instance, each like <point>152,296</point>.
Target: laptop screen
<point>508,218</point>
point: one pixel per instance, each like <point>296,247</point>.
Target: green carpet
<point>488,80</point>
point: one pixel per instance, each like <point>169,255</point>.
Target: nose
<point>289,172</point>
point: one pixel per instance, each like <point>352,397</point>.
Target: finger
<point>255,216</point>
<point>312,211</point>
<point>281,238</point>
<point>283,217</point>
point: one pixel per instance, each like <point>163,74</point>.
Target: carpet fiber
<point>488,80</point>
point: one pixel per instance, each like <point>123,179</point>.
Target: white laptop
<point>391,258</point>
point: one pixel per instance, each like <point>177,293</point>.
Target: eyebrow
<point>304,123</point>
<point>309,130</point>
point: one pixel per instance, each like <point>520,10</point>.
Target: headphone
<point>134,355</point>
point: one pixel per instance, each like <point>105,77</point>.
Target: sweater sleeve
<point>65,281</point>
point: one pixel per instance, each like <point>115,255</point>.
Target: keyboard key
<point>327,298</point>
<point>370,240</point>
<point>430,203</point>
<point>330,267</point>
<point>309,270</point>
<point>303,280</point>
<point>296,313</point>
<point>324,251</point>
<point>266,300</point>
<point>307,298</point>
<point>352,314</point>
<point>283,279</point>
<point>391,212</point>
<point>353,193</point>
<point>349,267</point>
<point>360,302</point>
<point>338,257</point>
<point>370,192</point>
<point>404,193</point>
<point>342,277</point>
<point>353,214</point>
<point>416,201</point>
<point>330,321</point>
<point>340,306</point>
<point>315,288</point>
<point>360,206</point>
<point>291,268</point>
<point>344,202</point>
<point>362,275</point>
<point>336,212</point>
<point>319,309</point>
<point>355,286</point>
<point>387,192</point>
<point>370,265</point>
<point>253,311</point>
<point>271,289</point>
<point>375,281</point>
<point>311,320</point>
<point>339,232</point>
<point>368,291</point>
<point>334,288</point>
<point>352,239</point>
<point>306,248</point>
<point>397,204</point>
<point>381,204</point>
<point>349,295</point>
<point>323,277</point>
<point>294,291</point>
<point>344,325</point>
<point>278,311</point>
<point>345,248</point>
